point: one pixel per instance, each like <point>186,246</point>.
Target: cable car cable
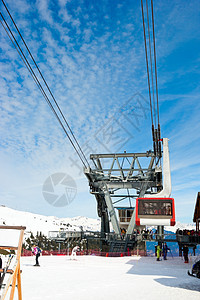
<point>151,64</point>
<point>152,67</point>
<point>156,76</point>
<point>45,82</point>
<point>18,48</point>
<point>147,65</point>
<point>39,85</point>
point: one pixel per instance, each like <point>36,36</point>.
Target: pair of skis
<point>5,269</point>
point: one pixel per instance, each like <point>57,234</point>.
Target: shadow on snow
<point>173,272</point>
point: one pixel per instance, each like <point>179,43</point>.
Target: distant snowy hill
<point>44,224</point>
<point>180,226</point>
<point>35,222</point>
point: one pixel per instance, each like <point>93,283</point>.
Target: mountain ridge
<point>40,223</point>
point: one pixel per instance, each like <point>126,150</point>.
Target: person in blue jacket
<point>165,249</point>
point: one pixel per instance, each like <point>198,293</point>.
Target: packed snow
<point>92,277</point>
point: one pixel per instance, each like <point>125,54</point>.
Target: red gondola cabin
<point>155,211</point>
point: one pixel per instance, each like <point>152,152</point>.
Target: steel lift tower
<point>129,176</point>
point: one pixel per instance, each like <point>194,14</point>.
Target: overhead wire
<point>45,82</point>
<point>154,44</point>
<point>151,64</point>
<point>152,67</point>
<point>147,64</point>
<point>35,79</point>
<point>156,77</point>
<point>28,66</point>
<point>16,44</point>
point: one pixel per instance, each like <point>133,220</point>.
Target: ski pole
<point>5,269</point>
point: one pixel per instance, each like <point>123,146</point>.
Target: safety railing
<point>144,236</point>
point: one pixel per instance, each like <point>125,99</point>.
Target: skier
<point>36,251</point>
<point>74,250</point>
<point>185,253</point>
<point>165,248</point>
<point>158,252</point>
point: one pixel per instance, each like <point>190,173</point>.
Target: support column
<point>160,232</point>
<point>131,225</point>
<point>197,225</point>
<point>111,211</point>
<point>166,191</point>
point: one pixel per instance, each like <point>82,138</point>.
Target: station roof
<point>197,209</point>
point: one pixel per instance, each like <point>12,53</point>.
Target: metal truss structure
<point>124,176</point>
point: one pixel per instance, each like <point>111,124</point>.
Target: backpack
<point>39,250</point>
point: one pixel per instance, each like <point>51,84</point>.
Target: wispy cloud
<point>92,56</point>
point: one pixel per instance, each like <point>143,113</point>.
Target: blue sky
<point>92,56</point>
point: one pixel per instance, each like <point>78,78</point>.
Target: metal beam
<point>166,191</point>
<point>111,211</point>
<point>111,155</point>
<point>131,225</point>
<point>116,175</point>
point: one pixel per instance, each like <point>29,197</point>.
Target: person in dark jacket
<point>185,253</point>
<point>165,249</point>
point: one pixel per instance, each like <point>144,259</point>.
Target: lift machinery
<point>150,186</point>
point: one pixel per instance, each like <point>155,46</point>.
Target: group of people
<point>147,234</point>
<point>37,252</point>
<point>155,208</point>
<point>190,237</point>
<point>191,232</point>
<point>161,250</point>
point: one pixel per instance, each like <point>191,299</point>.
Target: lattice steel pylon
<point>121,177</point>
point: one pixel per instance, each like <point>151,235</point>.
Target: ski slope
<point>39,223</point>
<point>91,277</point>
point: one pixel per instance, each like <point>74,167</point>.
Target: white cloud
<point>92,68</point>
<point>44,11</point>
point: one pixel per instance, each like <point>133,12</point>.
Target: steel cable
<point>154,43</point>
<point>147,64</point>
<point>45,83</point>
<point>151,64</point>
<point>19,50</point>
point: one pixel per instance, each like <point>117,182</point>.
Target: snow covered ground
<point>91,277</point>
